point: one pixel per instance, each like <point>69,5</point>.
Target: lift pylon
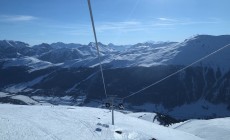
<point>112,102</point>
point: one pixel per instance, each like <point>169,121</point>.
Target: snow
<point>150,54</point>
<point>24,86</point>
<point>166,54</point>
<point>3,94</point>
<point>33,63</point>
<point>214,129</point>
<point>8,42</point>
<point>139,55</point>
<point>15,88</point>
<point>199,46</point>
<point>11,43</point>
<point>79,62</point>
<point>145,56</point>
<point>82,123</point>
<point>183,53</point>
<point>65,100</point>
<point>25,99</point>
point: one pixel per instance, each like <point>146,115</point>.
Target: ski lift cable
<point>96,43</point>
<point>170,75</point>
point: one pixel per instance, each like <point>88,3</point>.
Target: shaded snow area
<point>24,86</point>
<point>214,129</point>
<point>12,98</point>
<point>65,100</point>
<point>24,99</point>
<point>3,94</point>
<point>200,46</point>
<point>32,62</point>
<point>81,123</point>
<point>39,100</point>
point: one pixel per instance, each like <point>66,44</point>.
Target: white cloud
<point>12,18</point>
<point>124,25</point>
<point>159,23</point>
<point>185,21</point>
<point>131,26</point>
<point>166,19</point>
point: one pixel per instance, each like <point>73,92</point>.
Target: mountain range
<point>62,73</point>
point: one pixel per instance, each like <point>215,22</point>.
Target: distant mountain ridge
<point>142,54</point>
<point>58,70</point>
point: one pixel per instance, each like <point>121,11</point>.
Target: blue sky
<point>116,21</point>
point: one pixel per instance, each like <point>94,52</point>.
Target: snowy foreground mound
<point>78,123</point>
<point>214,129</point>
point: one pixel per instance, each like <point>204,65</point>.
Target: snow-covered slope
<point>25,99</point>
<point>11,43</point>
<point>214,129</point>
<point>141,54</point>
<point>119,47</point>
<point>145,55</point>
<point>63,45</point>
<point>32,63</point>
<point>199,46</point>
<point>82,123</point>
<point>165,53</point>
<point>171,53</point>
<point>3,94</point>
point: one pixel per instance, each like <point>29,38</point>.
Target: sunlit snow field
<point>82,123</point>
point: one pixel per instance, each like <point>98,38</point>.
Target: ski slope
<point>81,123</point>
<point>214,129</point>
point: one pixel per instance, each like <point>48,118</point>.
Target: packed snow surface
<point>214,129</point>
<point>82,123</point>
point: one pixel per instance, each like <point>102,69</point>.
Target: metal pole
<point>112,112</point>
<point>111,99</point>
